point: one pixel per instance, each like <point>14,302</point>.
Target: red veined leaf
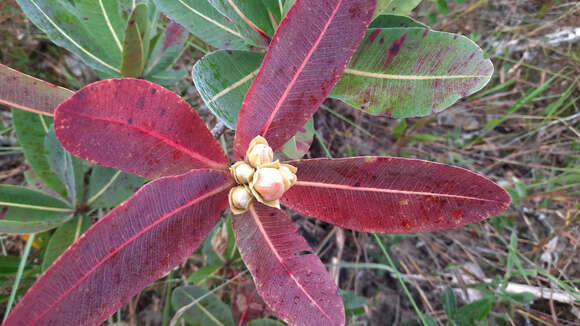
<point>297,287</point>
<point>307,56</point>
<point>27,93</point>
<point>392,195</point>
<point>138,127</point>
<point>132,246</point>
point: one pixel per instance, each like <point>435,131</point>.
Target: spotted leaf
<point>392,195</point>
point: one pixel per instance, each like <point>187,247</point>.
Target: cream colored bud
<point>267,186</point>
<point>259,152</point>
<point>288,173</point>
<point>240,199</point>
<point>242,172</point>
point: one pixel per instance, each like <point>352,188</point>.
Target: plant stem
<point>400,278</point>
<point>322,144</point>
<point>19,274</point>
<point>167,299</point>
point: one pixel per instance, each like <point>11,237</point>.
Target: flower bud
<point>242,172</point>
<point>268,186</point>
<point>259,152</point>
<point>240,198</point>
<point>288,173</point>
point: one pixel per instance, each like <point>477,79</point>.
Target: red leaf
<point>28,93</point>
<point>297,287</point>
<point>138,127</point>
<point>135,244</point>
<point>307,56</point>
<point>392,195</point>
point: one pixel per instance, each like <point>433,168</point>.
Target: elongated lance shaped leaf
<point>167,49</point>
<point>410,72</point>
<point>31,130</point>
<point>138,127</point>
<point>209,311</point>
<point>63,237</point>
<point>200,18</point>
<point>223,78</point>
<point>17,89</point>
<point>64,26</point>
<point>28,211</point>
<point>104,20</point>
<point>297,287</point>
<point>61,163</point>
<point>395,21</point>
<point>134,47</point>
<point>392,195</point>
<point>396,7</point>
<point>109,187</point>
<point>132,246</point>
<point>247,16</point>
<point>302,65</point>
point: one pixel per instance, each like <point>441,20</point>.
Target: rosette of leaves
<point>117,38</point>
<point>141,128</point>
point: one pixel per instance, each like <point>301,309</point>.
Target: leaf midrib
<point>225,28</point>
<point>390,191</point>
<point>300,69</point>
<point>129,241</point>
<point>281,261</point>
<point>210,163</point>
<point>363,73</point>
<point>70,39</point>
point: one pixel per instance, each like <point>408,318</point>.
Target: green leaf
<point>430,321</point>
<point>287,5</point>
<point>203,274</point>
<point>168,77</point>
<point>410,72</point>
<point>395,21</point>
<point>442,7</point>
<point>63,237</point>
<point>264,322</point>
<point>274,8</point>
<point>299,145</point>
<point>105,24</point>
<point>134,49</point>
<point>109,187</point>
<point>64,26</point>
<point>28,211</point>
<point>250,18</point>
<point>395,7</point>
<point>9,265</point>
<point>449,303</point>
<point>205,22</point>
<point>223,78</point>
<point>208,250</point>
<point>519,298</point>
<point>31,130</point>
<point>60,162</point>
<point>231,249</point>
<point>208,311</point>
<point>474,312</point>
<point>353,304</point>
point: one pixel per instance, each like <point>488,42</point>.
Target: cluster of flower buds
<point>260,178</point>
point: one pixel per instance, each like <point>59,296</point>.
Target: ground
<point>534,154</point>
